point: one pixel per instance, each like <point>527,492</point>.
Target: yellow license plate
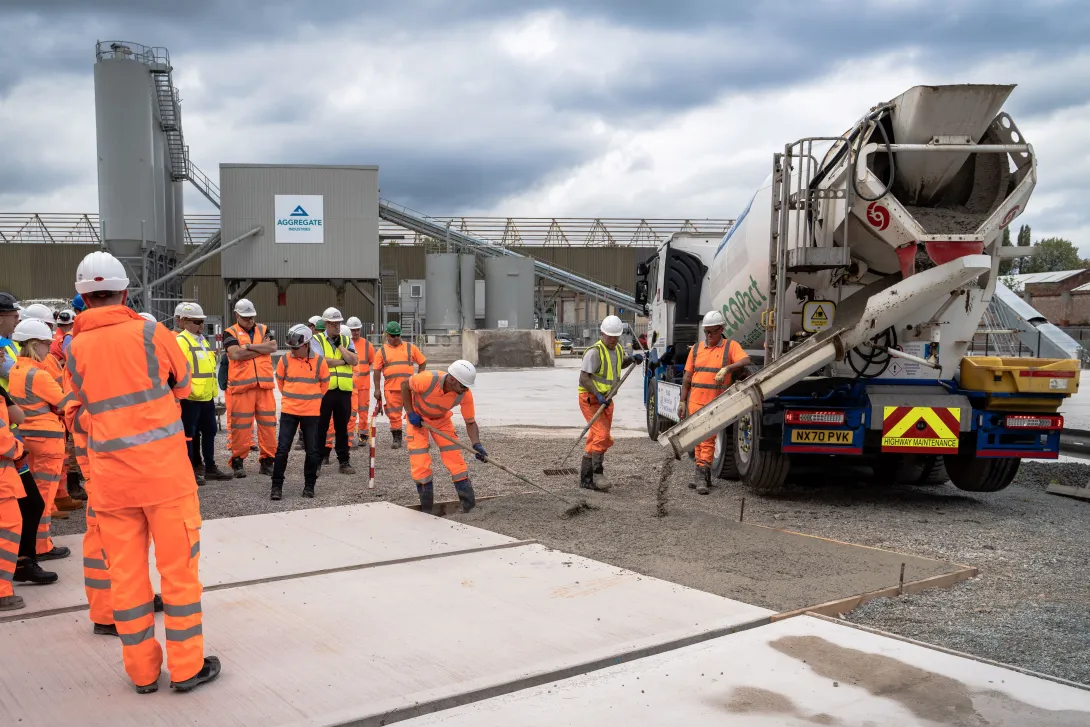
<point>821,436</point>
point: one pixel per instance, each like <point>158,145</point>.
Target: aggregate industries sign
<point>299,217</point>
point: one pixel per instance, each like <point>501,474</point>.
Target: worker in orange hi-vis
<point>599,373</point>
<point>41,399</point>
<point>361,381</point>
<point>394,362</point>
<point>11,519</point>
<point>129,374</point>
<point>708,373</point>
<point>250,389</point>
<point>430,397</point>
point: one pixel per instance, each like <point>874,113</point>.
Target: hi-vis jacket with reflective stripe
<point>12,351</point>
<point>609,368</point>
<point>340,376</point>
<point>10,450</point>
<point>202,366</point>
<point>39,396</point>
<point>303,382</point>
<point>128,374</point>
<point>704,363</point>
<point>362,371</point>
<point>253,373</point>
<point>397,363</point>
<point>431,402</point>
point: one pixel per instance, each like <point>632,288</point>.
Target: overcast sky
<point>666,108</point>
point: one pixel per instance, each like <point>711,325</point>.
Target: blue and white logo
<point>299,218</point>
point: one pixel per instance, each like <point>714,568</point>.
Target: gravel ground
<point>1030,606</point>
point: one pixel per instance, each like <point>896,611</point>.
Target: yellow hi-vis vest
<point>202,365</point>
<point>12,350</point>
<point>340,377</point>
<point>609,368</point>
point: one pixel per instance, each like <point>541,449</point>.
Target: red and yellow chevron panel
<point>920,429</point>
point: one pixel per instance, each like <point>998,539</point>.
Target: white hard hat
<point>178,309</point>
<point>712,319</point>
<point>298,336</point>
<point>189,310</point>
<point>32,330</point>
<point>354,324</point>
<point>101,272</point>
<point>148,317</point>
<point>313,320</point>
<point>332,315</point>
<point>245,308</point>
<point>66,316</point>
<point>612,326</point>
<point>38,312</point>
<point>463,371</point>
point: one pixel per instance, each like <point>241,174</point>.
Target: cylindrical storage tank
<point>468,291</point>
<point>441,311</point>
<point>509,292</point>
<point>126,153</point>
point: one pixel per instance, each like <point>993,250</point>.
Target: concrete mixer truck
<point>856,278</point>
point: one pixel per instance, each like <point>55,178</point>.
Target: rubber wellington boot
<point>586,474</point>
<point>427,497</point>
<point>599,482</point>
<point>236,468</point>
<point>210,671</point>
<point>466,494</point>
<point>703,480</point>
<point>396,444</point>
<point>27,570</point>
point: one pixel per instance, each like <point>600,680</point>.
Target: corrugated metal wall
<point>47,271</point>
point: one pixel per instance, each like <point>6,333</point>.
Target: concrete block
<point>508,348</point>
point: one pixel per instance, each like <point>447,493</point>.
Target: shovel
<point>574,508</point>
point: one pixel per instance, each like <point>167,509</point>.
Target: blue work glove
<point>415,419</point>
<point>602,400</point>
<point>637,358</point>
<point>479,449</point>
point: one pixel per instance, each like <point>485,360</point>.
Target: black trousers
<point>199,421</point>
<point>338,405</point>
<point>313,436</point>
<point>31,507</point>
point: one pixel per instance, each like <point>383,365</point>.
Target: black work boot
<point>277,492</point>
<point>396,444</point>
<point>325,458</point>
<point>198,475</point>
<point>308,490</point>
<point>58,552</point>
<point>208,672</point>
<point>236,468</point>
<point>265,465</point>
<point>347,469</point>
<point>427,497</point>
<point>703,480</point>
<point>75,487</point>
<point>104,630</point>
<point>212,473</point>
<point>466,494</point>
<point>27,570</point>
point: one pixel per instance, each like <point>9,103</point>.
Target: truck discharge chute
<point>857,276</point>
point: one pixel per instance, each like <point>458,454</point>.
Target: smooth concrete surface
<point>363,646</point>
<point>802,671</point>
<point>258,547</point>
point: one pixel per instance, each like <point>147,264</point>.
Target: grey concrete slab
<point>801,671</point>
<point>363,646</point>
<point>258,547</point>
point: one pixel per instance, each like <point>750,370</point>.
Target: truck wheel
<point>724,465</point>
<point>759,468</point>
<point>981,475</point>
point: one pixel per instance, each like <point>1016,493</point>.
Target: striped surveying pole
<point>371,442</point>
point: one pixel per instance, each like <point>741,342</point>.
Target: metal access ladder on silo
<point>424,225</point>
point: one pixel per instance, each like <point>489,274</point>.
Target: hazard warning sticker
<point>920,429</point>
<point>817,315</point>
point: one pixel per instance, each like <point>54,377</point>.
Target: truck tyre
<point>981,475</point>
<point>724,466</point>
<point>759,468</point>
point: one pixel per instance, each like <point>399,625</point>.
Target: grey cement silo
<point>126,153</point>
<point>509,292</point>
<point>441,308</point>
<point>467,291</point>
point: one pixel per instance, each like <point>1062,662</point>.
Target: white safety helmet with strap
<point>464,372</point>
<point>101,272</point>
<point>32,330</point>
<point>612,326</point>
<point>38,312</point>
<point>712,319</point>
<point>299,335</point>
<point>66,317</point>
<point>245,308</point>
<point>354,324</point>
<point>148,317</point>
<point>332,315</point>
<point>190,310</point>
<point>313,320</point>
